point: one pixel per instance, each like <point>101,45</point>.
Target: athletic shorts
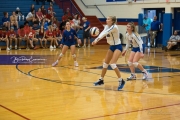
<point>116,47</point>
<point>86,34</point>
<point>69,44</point>
<point>137,49</point>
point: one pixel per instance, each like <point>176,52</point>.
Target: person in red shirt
<point>57,36</point>
<point>39,15</point>
<point>4,38</point>
<point>22,36</point>
<point>50,12</point>
<point>12,37</point>
<point>42,36</point>
<point>26,27</point>
<point>32,39</point>
<point>50,36</point>
<point>68,12</point>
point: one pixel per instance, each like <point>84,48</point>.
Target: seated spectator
<point>39,15</point>
<point>65,17</point>
<point>13,20</point>
<point>19,14</point>
<point>6,20</point>
<point>68,12</point>
<point>42,38</point>
<point>57,36</point>
<point>45,24</point>
<point>43,10</point>
<point>12,37</point>
<point>32,38</point>
<point>50,12</point>
<point>22,36</point>
<point>36,27</point>
<point>4,37</point>
<point>32,8</point>
<point>55,22</point>
<point>77,22</point>
<point>173,41</point>
<point>31,16</point>
<point>50,36</point>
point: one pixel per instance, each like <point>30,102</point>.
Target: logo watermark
<point>26,59</point>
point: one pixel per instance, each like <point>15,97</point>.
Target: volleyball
<point>94,31</point>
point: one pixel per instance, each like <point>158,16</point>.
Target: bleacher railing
<point>64,4</point>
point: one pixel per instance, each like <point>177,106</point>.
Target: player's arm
<point>105,32</point>
<point>139,42</point>
<point>127,45</point>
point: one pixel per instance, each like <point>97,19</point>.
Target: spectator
<point>6,21</point>
<point>86,28</point>
<point>68,12</point>
<point>31,16</point>
<point>65,17</point>
<point>36,27</point>
<point>147,26</point>
<point>155,27</point>
<point>50,2</point>
<point>32,8</point>
<point>57,36</point>
<point>22,36</point>
<point>43,10</point>
<point>50,12</point>
<point>173,41</point>
<point>13,20</point>
<point>42,38</point>
<point>77,22</point>
<point>26,27</point>
<point>45,24</point>
<point>19,14</point>
<point>4,37</point>
<point>55,23</point>
<point>32,38</point>
<point>50,37</point>
<point>12,37</point>
<point>39,15</point>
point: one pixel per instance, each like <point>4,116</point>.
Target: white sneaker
<point>7,49</point>
<point>10,47</point>
<point>145,75</point>
<point>84,46</point>
<point>132,77</point>
<point>54,47</point>
<point>54,64</point>
<point>89,46</point>
<point>76,64</point>
<point>15,47</point>
<point>51,47</point>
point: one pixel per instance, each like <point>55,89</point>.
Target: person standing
<point>86,28</point>
<point>147,26</point>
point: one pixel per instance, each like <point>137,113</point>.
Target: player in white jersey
<point>112,35</point>
<point>136,54</point>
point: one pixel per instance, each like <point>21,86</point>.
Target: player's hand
<point>85,30</point>
<point>79,41</point>
<point>141,55</point>
<point>94,43</point>
<point>123,53</point>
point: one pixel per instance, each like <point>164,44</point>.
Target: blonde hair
<point>114,19</point>
<point>133,28</point>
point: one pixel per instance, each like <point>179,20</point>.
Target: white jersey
<point>135,40</point>
<point>112,35</point>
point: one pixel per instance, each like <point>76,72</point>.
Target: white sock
<point>119,79</point>
<point>144,71</point>
<point>101,78</point>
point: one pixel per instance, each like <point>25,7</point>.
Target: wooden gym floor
<point>65,92</point>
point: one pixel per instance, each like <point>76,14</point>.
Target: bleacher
<point>24,5</point>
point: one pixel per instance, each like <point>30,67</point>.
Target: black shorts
<point>86,34</point>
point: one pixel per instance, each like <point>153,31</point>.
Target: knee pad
<point>61,55</point>
<point>130,63</point>
<point>105,65</point>
<point>113,66</point>
<point>74,55</point>
<point>135,64</point>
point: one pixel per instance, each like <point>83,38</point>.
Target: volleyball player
<point>69,40</point>
<point>111,32</point>
<point>137,51</point>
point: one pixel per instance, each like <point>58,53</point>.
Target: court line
<point>101,88</point>
<point>14,112</point>
<point>131,111</point>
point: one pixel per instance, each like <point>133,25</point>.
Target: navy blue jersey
<point>68,36</point>
<point>86,25</point>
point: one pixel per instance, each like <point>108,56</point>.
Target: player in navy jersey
<point>69,40</point>
<point>136,54</point>
<point>111,32</point>
<point>86,28</point>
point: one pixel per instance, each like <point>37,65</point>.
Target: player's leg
<point>73,49</point>
<point>105,65</point>
<point>131,66</point>
<point>64,49</point>
<point>138,65</point>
